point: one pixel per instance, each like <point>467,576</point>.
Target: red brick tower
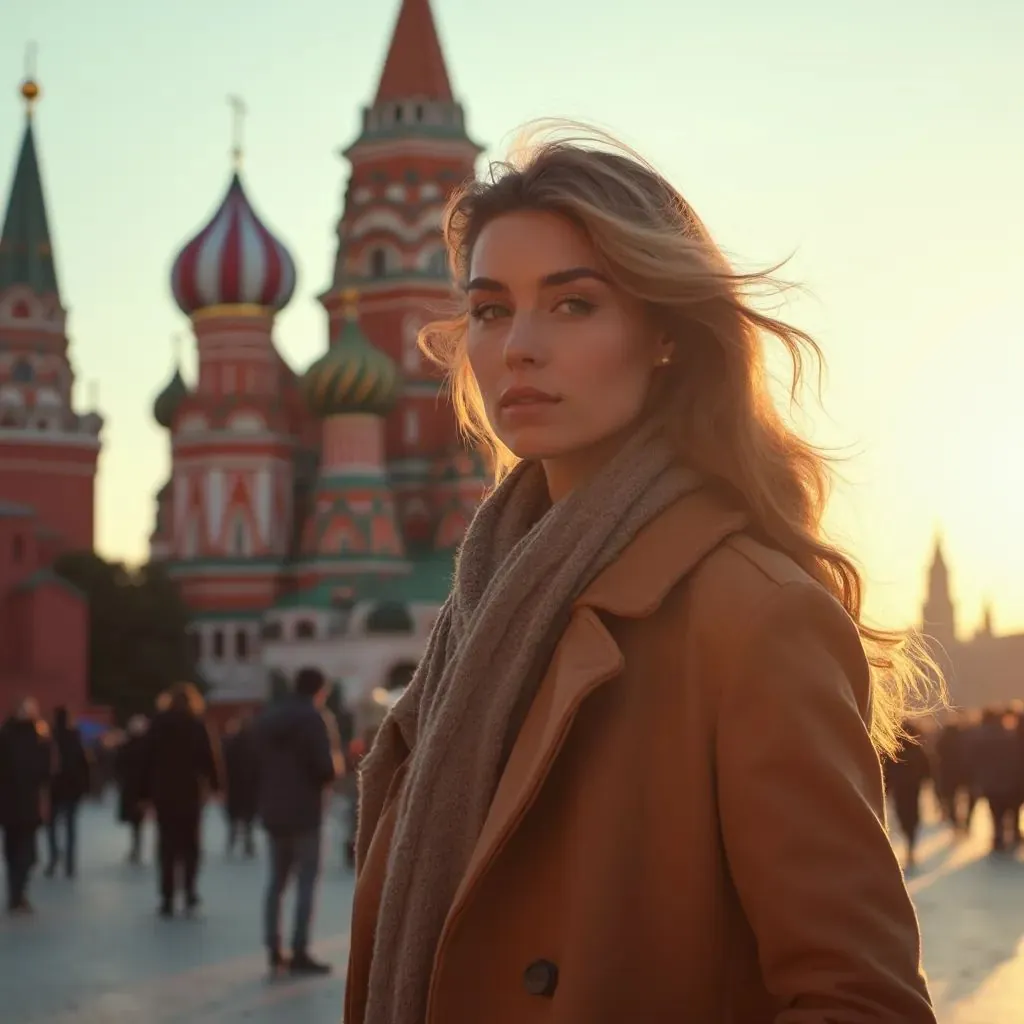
<point>48,455</point>
<point>412,151</point>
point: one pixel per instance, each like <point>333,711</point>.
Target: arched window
<point>389,617</point>
<point>22,372</point>
<point>241,645</point>
<point>378,263</point>
<point>271,631</point>
<point>218,643</point>
<point>305,629</point>
<point>241,538</point>
<point>437,262</point>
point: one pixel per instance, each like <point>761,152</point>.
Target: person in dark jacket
<point>71,782</point>
<point>241,773</point>
<point>905,775</point>
<point>129,761</point>
<point>25,766</point>
<point>995,760</point>
<point>300,758</point>
<point>179,771</point>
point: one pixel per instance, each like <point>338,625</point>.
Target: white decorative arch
<point>48,398</point>
<point>192,423</point>
<point>378,219</point>
<point>11,397</point>
<point>247,422</point>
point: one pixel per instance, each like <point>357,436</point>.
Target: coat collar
<point>663,553</point>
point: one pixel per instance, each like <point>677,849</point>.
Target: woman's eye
<point>487,311</point>
<point>576,306</point>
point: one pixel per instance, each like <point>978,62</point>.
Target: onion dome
<point>233,261</point>
<point>167,402</point>
<point>353,376</point>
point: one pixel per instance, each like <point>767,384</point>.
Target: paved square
<point>96,953</point>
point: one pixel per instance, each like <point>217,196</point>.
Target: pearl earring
<point>665,360</point>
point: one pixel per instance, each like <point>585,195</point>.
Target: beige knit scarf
<point>522,563</point>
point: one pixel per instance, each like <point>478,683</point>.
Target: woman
<point>129,764</point>
<point>179,772</point>
<point>241,777</point>
<point>635,777</point>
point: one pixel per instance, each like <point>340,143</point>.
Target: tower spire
<point>238,112</point>
<point>26,253</point>
<point>415,67</point>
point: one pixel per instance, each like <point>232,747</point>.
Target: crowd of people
<point>279,768</point>
<point>968,758</point>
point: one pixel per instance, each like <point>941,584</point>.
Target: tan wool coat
<point>690,827</point>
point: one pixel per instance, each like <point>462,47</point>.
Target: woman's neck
<point>566,473</point>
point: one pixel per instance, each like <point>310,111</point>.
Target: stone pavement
<point>971,907</point>
<point>97,954</point>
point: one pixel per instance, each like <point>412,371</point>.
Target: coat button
<point>541,978</point>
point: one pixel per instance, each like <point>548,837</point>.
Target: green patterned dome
<point>167,402</point>
<point>353,376</point>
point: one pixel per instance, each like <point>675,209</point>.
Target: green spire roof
<point>26,255</point>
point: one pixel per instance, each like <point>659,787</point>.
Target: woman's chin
<point>534,445</point>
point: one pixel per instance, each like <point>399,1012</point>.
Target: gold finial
<point>239,111</point>
<point>29,88</point>
<point>350,303</point>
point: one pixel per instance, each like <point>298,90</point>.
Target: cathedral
<point>48,456</point>
<point>985,669</point>
<point>311,518</point>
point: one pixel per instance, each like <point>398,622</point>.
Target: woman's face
<point>564,360</point>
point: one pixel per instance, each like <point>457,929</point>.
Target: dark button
<point>541,978</point>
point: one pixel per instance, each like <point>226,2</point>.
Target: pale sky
<point>881,144</point>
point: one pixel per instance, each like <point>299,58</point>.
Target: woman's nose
<point>524,342</point>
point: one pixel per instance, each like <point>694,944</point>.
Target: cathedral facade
<point>311,518</point>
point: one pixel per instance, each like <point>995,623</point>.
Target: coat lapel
<point>587,656</point>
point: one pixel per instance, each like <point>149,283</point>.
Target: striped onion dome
<point>234,260</point>
<point>353,375</point>
<point>167,402</point>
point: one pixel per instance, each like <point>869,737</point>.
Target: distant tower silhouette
<point>987,629</point>
<point>939,610</point>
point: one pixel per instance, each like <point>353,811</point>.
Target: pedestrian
<point>179,772</point>
<point>299,759</point>
<point>636,774</point>
<point>71,783</point>
<point>905,774</point>
<point>129,762</point>
<point>26,763</point>
<point>241,773</point>
<point>953,782</point>
<point>996,761</point>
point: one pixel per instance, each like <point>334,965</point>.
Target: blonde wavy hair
<point>713,398</point>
